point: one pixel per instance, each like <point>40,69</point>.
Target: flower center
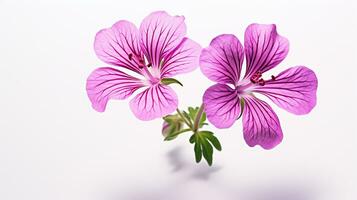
<point>150,75</point>
<point>246,86</point>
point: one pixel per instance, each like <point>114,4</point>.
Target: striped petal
<point>108,83</point>
<point>184,59</point>
<point>222,61</point>
<point>160,34</point>
<point>293,90</point>
<point>264,48</point>
<point>154,102</point>
<point>222,105</point>
<point>119,45</point>
<point>261,125</point>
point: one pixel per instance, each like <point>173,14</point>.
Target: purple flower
<point>159,49</point>
<point>293,89</point>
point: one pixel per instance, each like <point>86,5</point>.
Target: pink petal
<point>119,45</point>
<point>184,59</point>
<point>222,105</point>
<point>261,125</point>
<point>161,33</point>
<point>154,102</point>
<point>222,60</point>
<point>264,48</point>
<point>107,83</point>
<point>293,90</point>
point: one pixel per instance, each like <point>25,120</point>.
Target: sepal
<point>168,81</point>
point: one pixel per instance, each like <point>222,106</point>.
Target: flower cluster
<point>147,58</point>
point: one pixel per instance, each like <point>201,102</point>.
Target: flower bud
<point>165,129</point>
<point>171,125</point>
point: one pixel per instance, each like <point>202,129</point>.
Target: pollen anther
<point>256,77</point>
<point>261,82</point>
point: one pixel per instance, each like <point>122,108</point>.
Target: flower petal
<point>107,83</point>
<point>184,59</point>
<point>293,90</point>
<point>222,60</point>
<point>119,45</point>
<point>154,102</point>
<point>264,48</point>
<point>261,125</point>
<point>161,33</point>
<point>222,105</point>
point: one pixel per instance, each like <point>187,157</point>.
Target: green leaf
<point>192,112</point>
<point>207,151</point>
<point>198,152</point>
<point>187,116</point>
<point>206,133</point>
<point>168,81</point>
<point>213,139</point>
<point>192,138</point>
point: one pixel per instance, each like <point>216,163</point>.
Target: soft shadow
<point>191,169</point>
<point>188,178</point>
<point>204,172</point>
<point>208,191</point>
<point>175,159</point>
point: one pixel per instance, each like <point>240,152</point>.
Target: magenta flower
<point>158,50</point>
<point>293,89</point>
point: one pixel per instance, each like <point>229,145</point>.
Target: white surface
<point>54,146</point>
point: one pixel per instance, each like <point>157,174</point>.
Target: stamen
<point>135,58</point>
<point>256,76</point>
<point>273,77</point>
<point>149,65</point>
<point>252,80</point>
<point>261,82</point>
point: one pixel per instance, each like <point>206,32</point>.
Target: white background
<point>53,145</point>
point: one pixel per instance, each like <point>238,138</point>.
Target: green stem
<point>178,133</point>
<point>198,119</point>
<point>189,124</point>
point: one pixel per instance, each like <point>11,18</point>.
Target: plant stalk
<point>198,119</point>
<point>184,119</point>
